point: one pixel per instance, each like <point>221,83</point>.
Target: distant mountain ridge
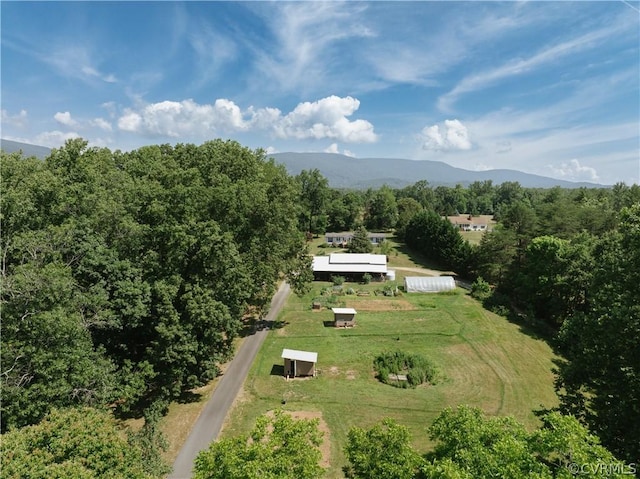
<point>347,172</point>
<point>9,146</point>
<point>361,173</point>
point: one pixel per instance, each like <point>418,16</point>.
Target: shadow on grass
<point>188,397</point>
<point>277,324</point>
<point>277,370</point>
<point>418,258</point>
<point>328,324</point>
<point>501,305</point>
<point>248,329</point>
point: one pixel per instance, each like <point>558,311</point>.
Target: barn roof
<point>350,263</point>
<point>344,311</point>
<point>296,355</point>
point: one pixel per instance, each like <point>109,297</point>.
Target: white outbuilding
<point>299,363</point>
<point>429,284</point>
<point>349,265</point>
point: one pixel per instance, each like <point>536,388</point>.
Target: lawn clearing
<point>485,361</point>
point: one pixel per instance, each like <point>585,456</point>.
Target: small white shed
<point>344,317</point>
<point>429,284</point>
<point>299,363</point>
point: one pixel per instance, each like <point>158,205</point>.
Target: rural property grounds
<point>484,360</point>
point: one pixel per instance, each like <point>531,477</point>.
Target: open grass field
<point>485,360</point>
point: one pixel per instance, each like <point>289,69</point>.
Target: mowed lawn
<point>485,361</point>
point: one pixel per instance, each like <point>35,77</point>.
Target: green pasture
<point>485,361</point>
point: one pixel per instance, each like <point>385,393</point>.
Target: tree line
<point>468,445</point>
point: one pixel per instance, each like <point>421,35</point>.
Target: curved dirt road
<point>210,421</point>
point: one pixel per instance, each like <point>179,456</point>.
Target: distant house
<point>349,265</point>
<point>343,239</point>
<point>344,317</point>
<point>299,363</point>
<point>472,223</point>
<point>429,284</point>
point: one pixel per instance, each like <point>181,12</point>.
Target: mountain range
<point>347,172</point>
<point>9,146</point>
<point>359,173</point>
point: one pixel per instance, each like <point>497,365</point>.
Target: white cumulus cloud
<point>574,171</point>
<point>64,118</point>
<point>333,148</point>
<point>102,123</point>
<point>325,118</point>
<point>453,135</point>
<point>175,119</point>
<point>55,139</point>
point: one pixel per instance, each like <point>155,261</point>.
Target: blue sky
<point>551,88</point>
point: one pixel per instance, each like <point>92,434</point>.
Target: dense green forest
<point>127,276</point>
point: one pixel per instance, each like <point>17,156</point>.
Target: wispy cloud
<point>69,60</point>
<point>522,66</point>
<point>307,39</point>
<point>19,120</point>
<point>213,51</point>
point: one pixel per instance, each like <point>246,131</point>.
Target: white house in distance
<point>342,239</point>
<point>299,363</point>
<point>349,265</point>
<point>472,223</point>
<point>429,284</point>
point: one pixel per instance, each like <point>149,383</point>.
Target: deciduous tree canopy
<point>125,276</point>
<point>278,447</point>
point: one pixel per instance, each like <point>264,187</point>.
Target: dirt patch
<point>333,370</point>
<point>351,374</point>
<point>381,305</point>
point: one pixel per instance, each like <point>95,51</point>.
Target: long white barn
<point>350,265</point>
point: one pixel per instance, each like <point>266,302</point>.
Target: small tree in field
<point>360,242</point>
<point>480,289</point>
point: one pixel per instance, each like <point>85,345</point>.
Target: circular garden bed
<point>404,370</point>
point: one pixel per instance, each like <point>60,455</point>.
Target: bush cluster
<point>418,369</point>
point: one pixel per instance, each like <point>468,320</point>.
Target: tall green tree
<point>382,452</point>
<point>314,194</point>
<point>599,379</point>
<point>471,445</point>
<point>382,210</point>
<point>344,210</point>
<point>407,209</point>
<point>82,443</point>
<point>278,447</point>
<point>437,239</point>
<point>360,243</point>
